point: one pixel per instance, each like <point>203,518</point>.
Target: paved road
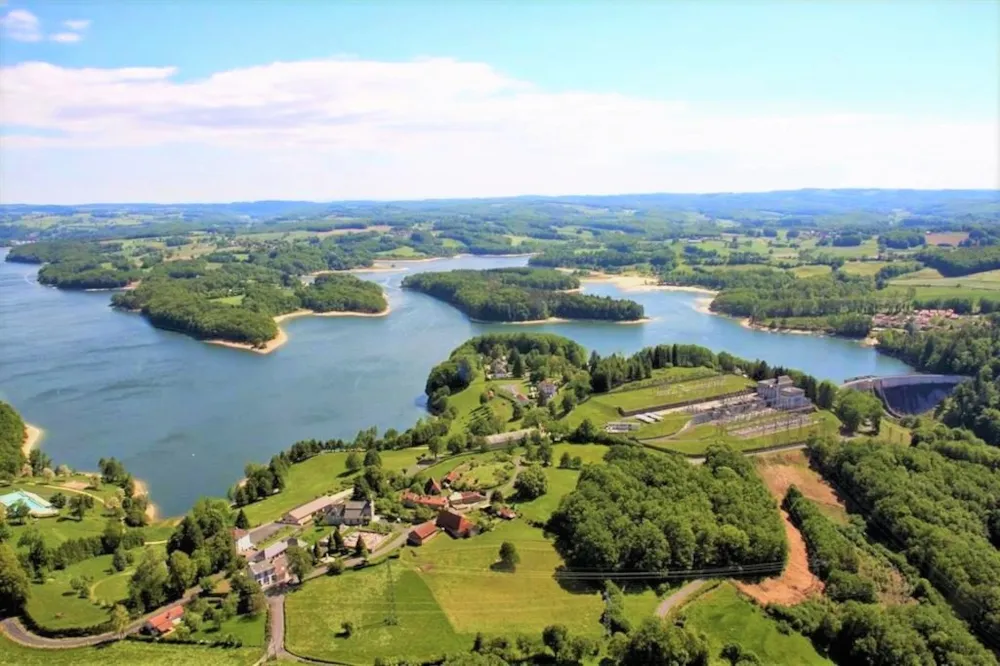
<point>679,597</point>
<point>264,532</point>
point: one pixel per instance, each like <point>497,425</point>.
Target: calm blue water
<point>186,416</point>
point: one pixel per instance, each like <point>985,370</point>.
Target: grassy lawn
<point>474,597</point>
<point>670,424</point>
<point>405,252</point>
<point>561,483</point>
<point>250,630</point>
<point>891,431</point>
<point>652,396</point>
<point>57,529</point>
<point>54,605</point>
<point>229,300</point>
<point>126,652</point>
<point>724,616</point>
<point>321,474</point>
<point>313,617</point>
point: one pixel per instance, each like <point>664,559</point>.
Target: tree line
<point>649,513</point>
<point>962,261</point>
<point>520,294</point>
<point>12,434</point>
<point>940,512</point>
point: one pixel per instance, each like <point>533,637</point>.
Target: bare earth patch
<point>796,583</point>
<point>75,485</point>
<point>782,470</point>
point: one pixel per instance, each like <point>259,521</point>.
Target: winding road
<point>679,597</point>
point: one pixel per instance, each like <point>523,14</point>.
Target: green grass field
<point>724,616</point>
<point>930,278</point>
<point>476,598</point>
<point>868,268</point>
<point>314,614</point>
<point>54,605</point>
<point>58,529</point>
<point>810,270</point>
<point>320,474</point>
<point>250,630</point>
<point>670,424</point>
<point>126,652</point>
<point>652,396</point>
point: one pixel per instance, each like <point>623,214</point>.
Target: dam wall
<point>905,395</point>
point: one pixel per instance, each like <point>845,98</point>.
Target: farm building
<point>242,540</point>
<point>455,524</point>
<point>163,623</point>
<point>451,477</point>
<point>467,498</point>
<point>412,500</point>
<point>432,487</point>
<point>422,533</point>
<point>304,514</point>
<point>353,512</point>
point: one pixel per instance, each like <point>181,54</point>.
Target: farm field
<point>320,474</point>
<point>561,481</point>
<point>523,601</point>
<point>126,652</point>
<point>725,616</point>
<point>928,277</point>
<point>867,268</point>
<point>810,270</point>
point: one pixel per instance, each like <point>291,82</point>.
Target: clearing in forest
<point>796,583</point>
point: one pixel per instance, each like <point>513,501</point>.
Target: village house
<point>353,512</point>
<point>412,500</point>
<point>498,369</point>
<point>547,389</point>
<point>455,524</point>
<point>163,623</point>
<point>242,540</point>
<point>270,572</point>
<point>468,498</point>
<point>275,549</point>
<point>304,514</point>
<point>451,477</point>
<point>506,513</point>
<point>432,487</point>
<point>422,533</point>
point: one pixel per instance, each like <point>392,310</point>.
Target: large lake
<point>186,416</point>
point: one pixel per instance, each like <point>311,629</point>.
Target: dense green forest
<point>938,507</point>
<point>643,512</point>
<point>196,298</point>
<point>11,440</point>
<point>520,294</point>
<point>962,261</point>
<point>972,349</point>
<point>77,265</point>
<point>863,616</point>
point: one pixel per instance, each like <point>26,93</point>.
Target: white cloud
<point>438,127</point>
<point>65,37</point>
<point>78,25</point>
<point>21,26</point>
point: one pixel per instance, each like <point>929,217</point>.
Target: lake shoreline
<point>562,320</point>
<point>33,436</point>
<point>282,337</point>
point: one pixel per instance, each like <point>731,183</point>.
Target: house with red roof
<point>413,500</point>
<point>455,524</point>
<point>432,487</point>
<point>466,498</point>
<point>422,533</point>
<point>451,477</point>
<point>164,623</point>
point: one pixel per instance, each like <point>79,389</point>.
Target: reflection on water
<point>186,416</point>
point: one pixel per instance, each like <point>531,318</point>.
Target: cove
<point>186,416</point>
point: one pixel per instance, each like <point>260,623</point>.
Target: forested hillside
<point>939,509</point>
<point>644,512</point>
<point>520,294</point>
<point>972,349</point>
<point>11,439</point>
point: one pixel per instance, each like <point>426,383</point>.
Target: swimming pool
<point>37,505</point>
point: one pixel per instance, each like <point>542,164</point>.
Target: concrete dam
<point>905,395</point>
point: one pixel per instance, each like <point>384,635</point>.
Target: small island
<point>521,295</point>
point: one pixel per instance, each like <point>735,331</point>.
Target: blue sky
<point>215,101</point>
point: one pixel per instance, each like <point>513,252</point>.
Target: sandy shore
<point>639,283</point>
<point>282,336</point>
<point>142,489</point>
<point>33,435</point>
<point>703,305</point>
<point>747,324</point>
<point>560,320</point>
